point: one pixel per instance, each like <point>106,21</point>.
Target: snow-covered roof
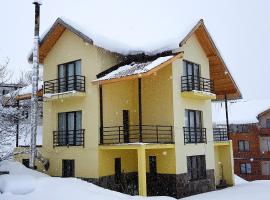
<point>24,90</point>
<point>240,112</point>
<point>148,40</point>
<point>135,68</point>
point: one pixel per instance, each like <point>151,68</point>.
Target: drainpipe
<point>227,115</point>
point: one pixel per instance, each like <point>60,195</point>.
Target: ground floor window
<point>25,162</point>
<point>117,168</point>
<point>196,167</point>
<point>245,168</point>
<point>68,168</point>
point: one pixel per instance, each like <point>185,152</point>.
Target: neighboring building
<point>21,98</point>
<point>250,133</point>
<point>138,124</point>
<point>7,88</point>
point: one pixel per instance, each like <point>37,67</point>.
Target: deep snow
<point>34,185</point>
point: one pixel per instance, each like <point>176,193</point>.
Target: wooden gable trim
<point>141,75</point>
<point>51,37</point>
<point>263,113</point>
<point>223,81</point>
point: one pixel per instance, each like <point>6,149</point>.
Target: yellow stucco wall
<point>224,156</point>
<point>194,53</point>
<point>129,160</point>
<point>69,47</point>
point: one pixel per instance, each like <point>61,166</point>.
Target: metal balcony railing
<point>70,83</point>
<point>220,134</point>
<point>194,135</point>
<point>190,83</point>
<point>131,134</point>
<point>68,138</point>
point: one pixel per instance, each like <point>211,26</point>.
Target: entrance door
<point>117,170</point>
<point>152,182</point>
<point>68,168</point>
<point>126,125</point>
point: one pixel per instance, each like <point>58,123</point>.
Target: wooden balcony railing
<point>194,135</point>
<point>220,134</point>
<point>131,134</point>
<point>68,138</point>
<point>190,83</point>
<point>70,83</point>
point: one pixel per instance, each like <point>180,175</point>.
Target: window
<point>196,167</point>
<point>267,123</point>
<point>4,92</point>
<point>239,128</point>
<point>268,144</point>
<point>245,168</point>
<point>243,145</point>
<point>192,73</point>
<point>25,162</point>
<point>194,133</point>
<point>70,128</point>
<point>67,74</point>
<point>117,168</point>
<point>68,168</point>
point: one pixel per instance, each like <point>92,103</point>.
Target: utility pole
<point>34,97</point>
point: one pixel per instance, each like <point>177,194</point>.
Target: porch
<point>138,169</point>
<point>137,108</point>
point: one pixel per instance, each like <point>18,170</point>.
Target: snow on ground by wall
<point>240,112</point>
<point>238,180</point>
<point>25,184</point>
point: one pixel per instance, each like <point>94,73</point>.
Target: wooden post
<point>17,127</point>
<point>101,113</point>
<point>142,171</point>
<point>227,115</point>
<point>140,106</point>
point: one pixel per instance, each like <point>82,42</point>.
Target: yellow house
<point>138,124</point>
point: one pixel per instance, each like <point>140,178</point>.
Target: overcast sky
<point>240,28</point>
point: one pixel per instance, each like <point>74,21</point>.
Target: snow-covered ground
<point>25,184</point>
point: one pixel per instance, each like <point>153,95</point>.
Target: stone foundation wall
<point>174,185</point>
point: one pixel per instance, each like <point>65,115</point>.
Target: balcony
<point>194,135</point>
<point>220,134</point>
<point>64,87</point>
<point>68,138</point>
<point>135,134</point>
<point>264,131</point>
<point>197,87</point>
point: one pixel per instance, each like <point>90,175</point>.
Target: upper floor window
<point>267,123</point>
<point>70,130</point>
<point>196,167</point>
<point>239,128</point>
<point>69,78</point>
<point>245,168</point>
<point>67,75</point>
<point>193,131</point>
<point>192,74</point>
<point>243,145</point>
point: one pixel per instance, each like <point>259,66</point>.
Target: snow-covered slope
<point>25,184</point>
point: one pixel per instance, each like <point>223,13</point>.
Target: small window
<point>4,92</point>
<point>243,145</point>
<point>267,123</point>
<point>196,167</point>
<point>25,162</point>
<point>245,168</point>
<point>268,145</point>
<point>68,168</point>
<point>117,168</point>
